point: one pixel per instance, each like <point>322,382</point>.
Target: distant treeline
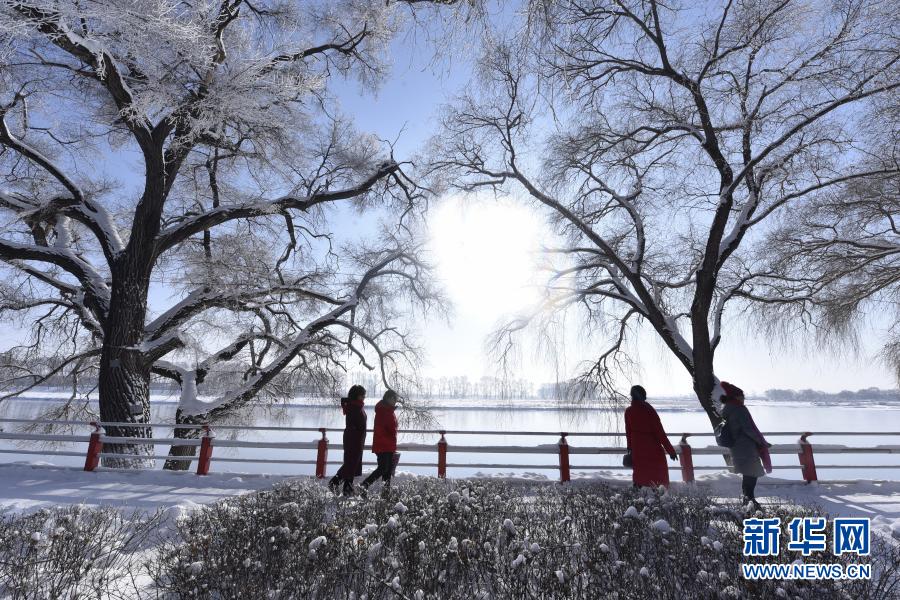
<point>869,394</point>
<point>461,387</point>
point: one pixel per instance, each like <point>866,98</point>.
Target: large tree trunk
<point>705,382</point>
<point>703,350</point>
<point>124,371</point>
<point>184,434</point>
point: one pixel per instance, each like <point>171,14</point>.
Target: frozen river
<point>678,416</point>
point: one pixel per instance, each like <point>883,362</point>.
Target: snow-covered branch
<point>176,234</point>
<point>656,165</point>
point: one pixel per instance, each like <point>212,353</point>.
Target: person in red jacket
<point>384,439</point>
<point>647,442</point>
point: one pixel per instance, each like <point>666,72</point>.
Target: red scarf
<point>345,402</point>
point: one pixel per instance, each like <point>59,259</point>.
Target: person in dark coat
<point>354,439</point>
<point>750,452</point>
<point>384,439</point>
<point>647,442</point>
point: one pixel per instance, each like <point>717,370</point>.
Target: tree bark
<point>705,381</point>
<point>125,398</point>
<point>184,434</point>
<point>124,376</point>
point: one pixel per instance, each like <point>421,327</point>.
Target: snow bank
<point>30,487</point>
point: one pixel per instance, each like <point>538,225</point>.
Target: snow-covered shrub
<point>465,539</point>
<point>74,552</point>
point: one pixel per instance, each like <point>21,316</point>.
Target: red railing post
<point>563,458</point>
<point>442,456</point>
<point>685,457</point>
<point>205,451</point>
<point>95,447</point>
<point>807,461</point>
<point>322,455</point>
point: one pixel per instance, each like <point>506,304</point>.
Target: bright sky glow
<point>487,252</point>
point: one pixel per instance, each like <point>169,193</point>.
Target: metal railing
<point>97,441</point>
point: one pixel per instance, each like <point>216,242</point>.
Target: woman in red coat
<point>384,439</point>
<point>647,442</point>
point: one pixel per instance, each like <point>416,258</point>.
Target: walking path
<point>29,487</point>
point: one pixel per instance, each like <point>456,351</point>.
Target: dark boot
<point>333,484</point>
<point>750,503</point>
<point>348,488</point>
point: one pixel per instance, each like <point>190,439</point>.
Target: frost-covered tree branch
<point>198,149</point>
<point>834,263</point>
<point>675,141</point>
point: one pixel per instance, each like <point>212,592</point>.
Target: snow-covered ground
<point>29,487</point>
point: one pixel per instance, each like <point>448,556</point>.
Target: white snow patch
<point>374,550</point>
<point>30,487</point>
<point>661,526</point>
<point>509,526</point>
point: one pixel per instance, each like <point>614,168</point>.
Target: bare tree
<point>663,138</point>
<point>836,262</point>
<point>196,147</point>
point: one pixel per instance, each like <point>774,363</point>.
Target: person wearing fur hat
<point>750,452</point>
<point>647,442</point>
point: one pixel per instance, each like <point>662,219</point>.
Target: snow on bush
<point>493,541</point>
<point>463,540</point>
<point>74,552</point>
<point>662,526</point>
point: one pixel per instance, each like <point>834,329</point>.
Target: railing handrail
<point>429,431</point>
<point>98,439</point>
<point>411,447</point>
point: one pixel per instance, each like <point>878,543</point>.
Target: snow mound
<point>661,526</point>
